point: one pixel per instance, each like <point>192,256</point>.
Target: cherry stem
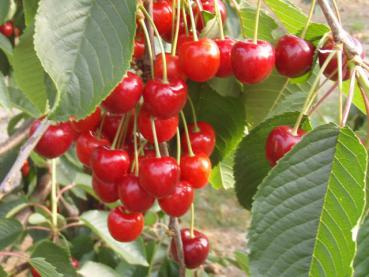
<point>185,19</point>
<point>99,131</point>
<point>135,141</point>
<point>17,209</point>
<point>336,10</point>
<point>123,135</point>
<point>178,147</point>
<point>340,89</point>
<point>193,24</point>
<point>310,16</point>
<point>258,9</point>
<point>119,130</point>
<point>321,100</point>
<point>156,144</point>
<point>192,227</point>
<point>140,150</point>
<point>219,19</point>
<point>64,190</point>
<point>194,117</point>
<point>190,152</point>
<point>149,48</point>
<point>350,96</point>
<point>176,32</point>
<point>54,200</point>
<point>280,94</point>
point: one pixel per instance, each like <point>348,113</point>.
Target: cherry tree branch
<point>15,139</point>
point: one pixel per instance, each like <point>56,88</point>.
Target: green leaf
<point>44,268</point>
<point>222,174</point>
<point>6,46</point>
<point>243,261</point>
<point>93,269</point>
<point>132,252</point>
<point>10,229</point>
<point>92,56</point>
<point>28,72</point>
<point>290,103</point>
<point>362,256</point>
<point>251,165</point>
<point>3,272</point>
<point>226,86</point>
<point>30,9</point>
<point>56,256</point>
<point>4,10</point>
<point>4,93</point>
<point>308,209</point>
<point>17,99</point>
<point>358,99</point>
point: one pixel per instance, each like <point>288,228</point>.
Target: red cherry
<point>195,249</point>
<point>200,59</point>
<point>208,6</point>
<point>134,198</point>
<point>202,139</point>
<point>55,141</point>
<point>165,128</point>
<point>162,14</point>
<point>35,272</point>
<point>196,170</point>
<point>86,144</point>
<point>109,165</point>
<point>159,176</point>
<point>107,192</point>
<point>225,49</point>
<point>182,39</point>
<point>7,29</point>
<point>280,141</point>
<point>293,56</point>
<point>125,96</point>
<point>174,70</point>
<point>89,123</point>
<point>139,46</point>
<point>75,263</point>
<point>25,169</point>
<point>165,100</point>
<point>124,226</point>
<point>111,124</point>
<point>252,63</point>
<point>178,203</point>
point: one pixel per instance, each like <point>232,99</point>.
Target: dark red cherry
<point>165,100</point>
<point>252,63</point>
<point>111,124</point>
<point>163,14</point>
<point>178,203</point>
<point>209,7</point>
<point>107,192</point>
<point>165,128</point>
<point>280,141</point>
<point>125,96</point>
<point>195,249</point>
<point>174,70</point>
<point>200,59</point>
<point>159,176</point>
<point>196,170</point>
<point>26,168</point>
<point>55,141</point>
<point>109,165</point>
<point>202,139</point>
<point>139,46</point>
<point>124,226</point>
<point>225,50</point>
<point>7,29</point>
<point>89,123</point>
<point>293,56</point>
<point>86,144</point>
<point>133,196</point>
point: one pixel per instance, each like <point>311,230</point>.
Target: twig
<point>174,227</point>
<point>15,139</point>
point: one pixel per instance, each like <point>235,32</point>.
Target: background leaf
<point>93,269</point>
<point>44,268</point>
<point>10,229</point>
<point>222,174</point>
<point>6,46</point>
<point>30,9</point>
<point>362,256</point>
<point>4,10</point>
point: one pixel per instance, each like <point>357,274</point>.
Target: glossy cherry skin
<point>139,46</point>
<point>182,39</point>
<point>225,50</point>
<point>55,141</point>
<point>125,96</point>
<point>111,124</point>
<point>165,128</point>
<point>165,100</point>
<point>86,144</point>
<point>7,29</point>
<point>195,250</point>
<point>163,14</point>
<point>109,165</point>
<point>293,56</point>
<point>252,63</point>
<point>124,226</point>
<point>178,203</point>
<point>280,141</point>
<point>202,139</point>
<point>196,170</point>
<point>174,70</point>
<point>200,59</point>
<point>26,168</point>
<point>133,196</point>
<point>107,192</point>
<point>159,176</point>
<point>90,123</point>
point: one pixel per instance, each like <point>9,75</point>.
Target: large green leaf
<point>30,9</point>
<point>222,174</point>
<point>307,211</point>
<point>93,269</point>
<point>86,48</point>
<point>251,165</point>
<point>44,268</point>
<point>6,46</point>
<point>362,257</point>
<point>4,10</point>
<point>10,229</point>
<point>132,252</point>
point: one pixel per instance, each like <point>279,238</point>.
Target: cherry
<point>225,50</point>
<point>183,38</point>
<point>200,59</point>
<point>89,123</point>
<point>159,176</point>
<point>293,56</point>
<point>174,70</point>
<point>178,203</point>
<point>139,46</point>
<point>195,249</point>
<point>7,29</point>
<point>75,263</point>
<point>252,63</point>
<point>165,100</point>
<point>55,141</point>
<point>111,124</point>
<point>107,192</point>
<point>209,7</point>
<point>25,168</point>
<point>196,170</point>
<point>280,141</point>
<point>134,198</point>
<point>109,165</point>
<point>125,96</point>
<point>202,139</point>
<point>165,128</point>
<point>124,226</point>
<point>163,16</point>
<point>86,144</point>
